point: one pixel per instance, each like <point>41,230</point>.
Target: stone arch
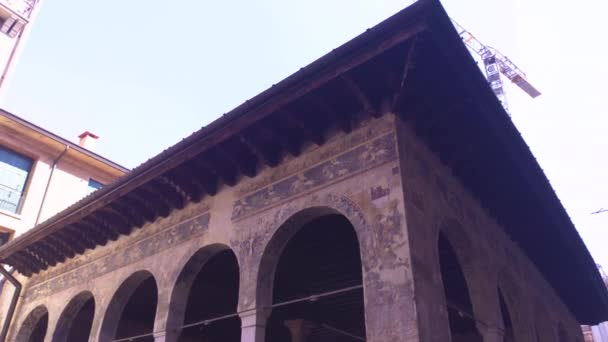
<point>465,250</point>
<point>459,302</point>
<point>459,239</point>
<point>288,222</point>
<point>185,279</point>
<point>74,309</point>
<point>34,327</point>
<point>296,223</point>
<point>477,276</point>
<point>121,297</point>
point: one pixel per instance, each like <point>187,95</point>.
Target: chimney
<point>88,140</point>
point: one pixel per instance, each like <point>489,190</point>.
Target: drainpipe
<point>11,309</point>
<point>48,184</point>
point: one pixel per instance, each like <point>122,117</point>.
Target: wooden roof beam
<point>25,259</point>
<point>98,229</point>
<point>139,205</point>
<point>46,253</point>
<point>17,264</point>
<point>54,249</point>
<point>108,223</point>
<point>111,217</point>
<point>160,191</point>
<point>158,203</point>
<point>185,178</point>
<point>270,154</point>
<point>276,130</point>
<point>36,259</point>
<point>129,211</point>
<point>85,237</point>
<point>241,153</point>
<point>66,249</point>
<point>316,136</point>
<point>26,267</point>
<point>208,180</point>
<point>368,104</point>
<point>319,103</point>
<point>168,189</point>
<point>70,240</point>
<point>217,161</point>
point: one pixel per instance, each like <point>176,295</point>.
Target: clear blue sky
<point>144,74</point>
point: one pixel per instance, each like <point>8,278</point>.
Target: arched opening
<point>34,326</point>
<point>132,310</point>
<point>461,318</point>
<point>76,320</point>
<point>507,323</point>
<point>318,258</point>
<point>205,298</point>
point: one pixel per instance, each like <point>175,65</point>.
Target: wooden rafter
<point>316,136</point>
<point>275,130</point>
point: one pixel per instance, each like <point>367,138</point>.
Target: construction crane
<point>496,63</point>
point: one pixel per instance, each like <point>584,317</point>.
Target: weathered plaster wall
<point>398,197</point>
<point>436,201</point>
<point>356,175</point>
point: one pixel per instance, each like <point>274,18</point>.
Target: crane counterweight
<point>496,63</point>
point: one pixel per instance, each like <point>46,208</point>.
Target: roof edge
<point>520,153</point>
<point>61,140</point>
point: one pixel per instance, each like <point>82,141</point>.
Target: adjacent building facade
<point>42,173</point>
<point>379,194</point>
<point>16,18</point>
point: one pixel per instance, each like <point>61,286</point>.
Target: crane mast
<point>495,63</point>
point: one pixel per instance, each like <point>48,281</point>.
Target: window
<point>5,235</point>
<point>14,172</point>
<point>93,185</point>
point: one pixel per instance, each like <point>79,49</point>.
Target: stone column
<point>390,310</point>
<point>253,325</point>
<point>160,337</point>
<point>163,331</point>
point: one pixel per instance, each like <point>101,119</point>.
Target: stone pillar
<point>160,337</point>
<point>300,329</point>
<point>390,311</point>
<point>253,325</point>
<point>164,327</point>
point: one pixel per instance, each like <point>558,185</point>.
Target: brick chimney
<point>88,140</point>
